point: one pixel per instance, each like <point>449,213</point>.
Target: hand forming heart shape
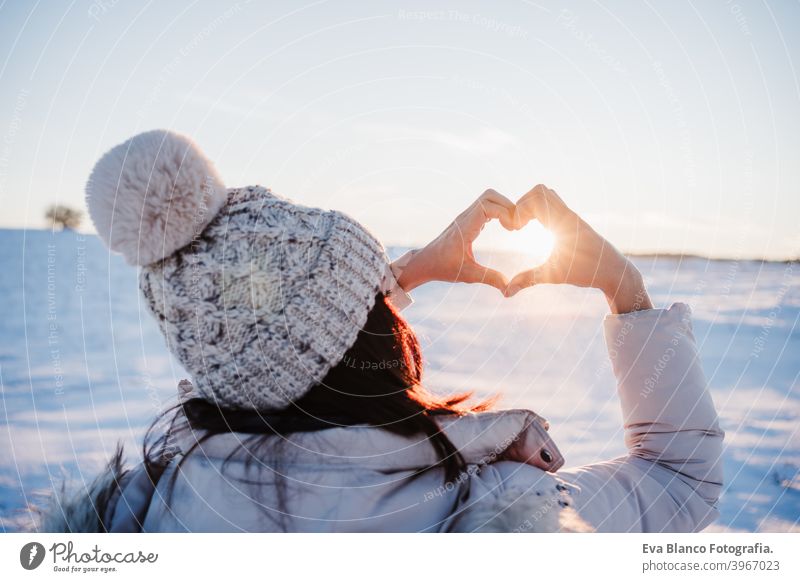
<point>581,256</point>
<point>456,242</point>
<point>449,257</point>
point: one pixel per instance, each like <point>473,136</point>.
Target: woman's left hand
<point>581,256</point>
<point>449,256</point>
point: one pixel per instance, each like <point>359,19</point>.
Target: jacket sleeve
<point>671,478</point>
<point>396,294</point>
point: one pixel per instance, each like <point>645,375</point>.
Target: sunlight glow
<point>515,251</point>
<point>534,243</point>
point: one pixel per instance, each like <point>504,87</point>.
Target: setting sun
<point>534,243</point>
<point>525,248</point>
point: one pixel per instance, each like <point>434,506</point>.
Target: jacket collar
<point>482,438</point>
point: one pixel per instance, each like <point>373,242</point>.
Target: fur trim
<point>82,510</point>
<point>520,511</point>
<point>152,194</point>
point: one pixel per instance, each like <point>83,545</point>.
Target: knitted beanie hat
<point>257,297</point>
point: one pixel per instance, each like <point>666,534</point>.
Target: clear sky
<point>673,126</point>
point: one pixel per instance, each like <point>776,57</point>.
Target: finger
<point>542,204</point>
<point>524,209</point>
<point>484,210</point>
<point>480,274</point>
<point>494,197</point>
<point>524,280</point>
<point>540,189</point>
<point>494,210</point>
<point>534,205</point>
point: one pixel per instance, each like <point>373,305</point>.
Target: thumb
<point>524,280</point>
<point>489,277</point>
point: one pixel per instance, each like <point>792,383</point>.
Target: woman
<point>307,410</point>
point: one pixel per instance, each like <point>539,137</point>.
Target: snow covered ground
<point>82,365</point>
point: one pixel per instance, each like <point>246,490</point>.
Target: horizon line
<point>665,254</point>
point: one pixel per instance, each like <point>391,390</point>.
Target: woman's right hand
<point>449,256</point>
<point>581,256</point>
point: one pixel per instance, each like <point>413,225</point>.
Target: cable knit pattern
<point>267,299</point>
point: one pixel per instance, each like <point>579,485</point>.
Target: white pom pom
<point>152,194</point>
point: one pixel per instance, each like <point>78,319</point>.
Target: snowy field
<point>82,365</point>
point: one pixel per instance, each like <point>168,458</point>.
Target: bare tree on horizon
<point>64,217</point>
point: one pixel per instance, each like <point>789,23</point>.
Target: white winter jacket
<point>360,478</point>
